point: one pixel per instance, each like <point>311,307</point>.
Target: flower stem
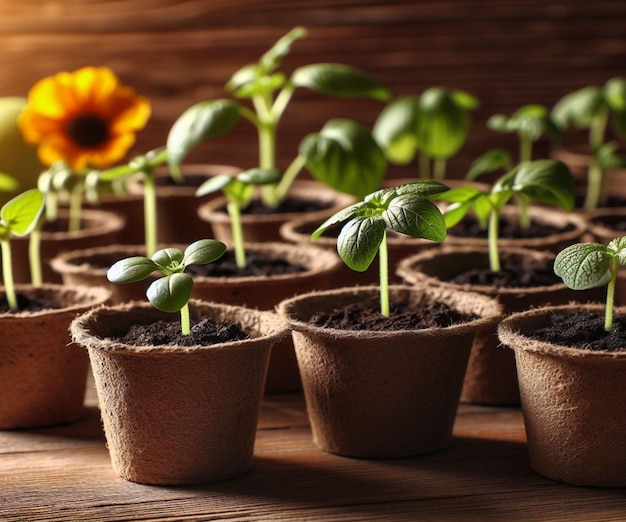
<point>237,232</point>
<point>185,323</point>
<point>7,274</point>
<point>383,264</point>
<point>610,295</point>
<point>76,204</point>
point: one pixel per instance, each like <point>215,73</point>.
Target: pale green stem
<point>288,177</point>
<point>7,274</point>
<point>34,256</point>
<point>494,255</point>
<point>76,207</point>
<point>185,323</point>
<point>52,206</point>
<point>525,148</point>
<point>383,264</point>
<point>237,232</point>
<point>282,100</point>
<point>424,166</point>
<point>523,203</point>
<point>610,296</point>
<point>595,174</point>
<point>150,213</point>
<point>439,167</point>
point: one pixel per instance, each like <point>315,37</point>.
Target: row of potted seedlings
<point>277,342</point>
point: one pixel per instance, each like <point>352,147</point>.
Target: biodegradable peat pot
<point>264,292</point>
<point>178,415</point>
<point>569,229</point>
<point>491,375</point>
<point>90,266</point>
<point>383,394</point>
<point>42,375</point>
<point>98,227</point>
<point>266,227</point>
<point>399,246</point>
<point>177,204</point>
<point>573,400</point>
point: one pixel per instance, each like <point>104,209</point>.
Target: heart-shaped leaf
<point>21,214</point>
<point>170,293</point>
<point>583,266</point>
<point>359,240</point>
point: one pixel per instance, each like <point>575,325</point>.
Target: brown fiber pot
<point>178,415</point>
<point>98,228</point>
<point>548,216</point>
<point>266,227</point>
<point>491,375</point>
<point>265,292</point>
<point>42,374</point>
<point>574,403</point>
<point>383,394</point>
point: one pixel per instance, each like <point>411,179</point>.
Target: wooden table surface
<point>64,473</point>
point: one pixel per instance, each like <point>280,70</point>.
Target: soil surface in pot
<point>617,223</point>
<point>257,265</point>
<point>206,332</point>
<point>583,330</point>
<point>189,180</point>
<point>403,316</point>
<point>469,227</point>
<point>287,206</point>
<point>28,303</point>
<point>517,272</point>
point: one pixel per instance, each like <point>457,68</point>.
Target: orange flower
<point>86,118</point>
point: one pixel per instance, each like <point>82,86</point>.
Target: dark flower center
<point>87,130</point>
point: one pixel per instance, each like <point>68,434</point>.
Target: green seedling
<point>595,108</point>
<point>406,209</point>
<point>238,191</point>
<point>268,91</point>
<point>592,265</point>
<point>546,181</point>
<point>170,293</point>
<point>434,124</point>
<point>18,217</point>
<point>144,166</point>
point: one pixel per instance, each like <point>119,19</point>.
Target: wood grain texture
<point>64,474</point>
<point>506,52</point>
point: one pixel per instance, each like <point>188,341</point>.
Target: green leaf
<point>583,266</point>
<point>608,157</point>
<point>615,93</point>
<point>579,108</point>
<point>490,161</point>
<point>547,181</point>
<point>258,176</point>
<point>415,216</point>
<point>339,217</point>
<point>395,129</point>
<point>442,125</point>
<point>272,58</point>
<point>339,80</point>
<point>170,293</point>
<point>21,214</point>
<point>465,100</point>
<point>239,192</point>
<point>169,260</point>
<point>214,184</point>
<point>201,122</point>
<point>344,156</point>
<point>8,183</point>
<point>203,251</point>
<point>617,247</point>
<point>131,269</point>
<point>424,188</point>
<point>359,240</point>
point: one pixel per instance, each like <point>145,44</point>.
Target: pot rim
<point>511,333</point>
<point>492,311</point>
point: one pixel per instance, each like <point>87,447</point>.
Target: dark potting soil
<point>517,272</point>
<point>583,330</point>
<point>205,333</point>
<point>287,206</point>
<point>28,303</point>
<point>256,265</point>
<point>469,227</point>
<point>617,223</point>
<point>403,316</point>
<point>189,180</point>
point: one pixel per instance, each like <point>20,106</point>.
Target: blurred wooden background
<point>505,52</point>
